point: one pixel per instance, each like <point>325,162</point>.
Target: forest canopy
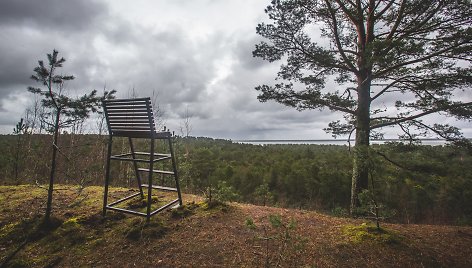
<point>421,184</point>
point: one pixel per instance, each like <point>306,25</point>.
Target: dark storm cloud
<point>13,70</point>
<point>57,14</point>
<point>16,61</point>
<point>30,29</point>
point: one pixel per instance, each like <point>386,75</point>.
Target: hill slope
<point>237,235</point>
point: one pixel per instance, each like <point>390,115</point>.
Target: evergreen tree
<point>394,61</point>
<point>61,110</point>
<point>20,129</point>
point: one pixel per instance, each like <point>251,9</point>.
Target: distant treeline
<point>420,184</point>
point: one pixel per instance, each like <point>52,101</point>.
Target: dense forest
<point>409,183</point>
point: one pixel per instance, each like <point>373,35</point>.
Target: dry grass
<point>237,235</point>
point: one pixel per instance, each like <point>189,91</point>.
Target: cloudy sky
<point>194,54</point>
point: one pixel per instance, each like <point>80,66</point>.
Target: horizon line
<point>388,139</point>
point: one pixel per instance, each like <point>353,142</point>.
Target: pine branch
<point>351,66</point>
<point>384,72</point>
<point>410,118</point>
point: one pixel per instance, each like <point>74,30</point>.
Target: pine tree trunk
<point>360,173</point>
<point>53,169</point>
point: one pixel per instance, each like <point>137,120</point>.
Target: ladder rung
<point>126,211</point>
<point>157,171</point>
<point>121,155</point>
<point>123,199</point>
<point>162,158</point>
<point>161,187</point>
<point>164,207</point>
<point>128,159</point>
<point>156,154</point>
<point>138,160</point>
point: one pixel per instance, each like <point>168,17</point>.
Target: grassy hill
<point>215,235</point>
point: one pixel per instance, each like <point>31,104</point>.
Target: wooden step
<point>160,187</point>
<point>157,171</point>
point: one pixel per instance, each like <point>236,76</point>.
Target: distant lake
<point>334,142</point>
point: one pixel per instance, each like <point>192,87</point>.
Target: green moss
<point>70,233</point>
<point>14,196</point>
<point>215,205</point>
<point>369,232</point>
<point>6,230</point>
<point>73,236</point>
<point>184,211</point>
<point>71,222</point>
<point>250,224</point>
<point>138,228</point>
<point>141,203</point>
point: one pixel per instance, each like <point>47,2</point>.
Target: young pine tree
<point>61,110</point>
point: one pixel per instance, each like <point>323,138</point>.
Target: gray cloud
<point>195,55</point>
<point>56,14</point>
<point>30,29</point>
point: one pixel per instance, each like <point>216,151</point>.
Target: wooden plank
<point>129,118</point>
<point>127,113</point>
<point>127,100</point>
<point>116,125</point>
<point>126,104</point>
<point>122,106</point>
<point>130,128</point>
<point>128,122</point>
<point>132,122</point>
<point>124,127</point>
<point>147,125</point>
<point>138,135</point>
<point>141,134</point>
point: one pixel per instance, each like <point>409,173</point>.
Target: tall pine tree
<point>394,62</point>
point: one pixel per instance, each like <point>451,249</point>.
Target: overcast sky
<point>196,55</point>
